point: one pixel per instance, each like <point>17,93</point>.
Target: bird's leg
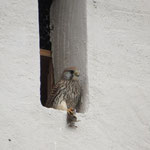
<point>70,111</point>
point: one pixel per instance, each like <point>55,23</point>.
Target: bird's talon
<point>70,110</point>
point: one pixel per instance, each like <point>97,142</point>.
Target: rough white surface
<point>119,72</point>
<point>118,117</point>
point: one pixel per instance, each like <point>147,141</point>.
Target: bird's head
<point>71,74</point>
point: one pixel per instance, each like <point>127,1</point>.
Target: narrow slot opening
<point>67,39</point>
<point>46,66</point>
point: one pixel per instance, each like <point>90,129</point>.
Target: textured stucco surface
<point>119,55</point>
<point>118,114</point>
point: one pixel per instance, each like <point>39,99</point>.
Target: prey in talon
<point>71,117</point>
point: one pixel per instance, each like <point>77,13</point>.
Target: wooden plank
<point>46,53</point>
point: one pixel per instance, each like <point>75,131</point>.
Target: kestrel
<point>66,94</point>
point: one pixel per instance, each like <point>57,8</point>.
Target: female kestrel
<point>66,94</point>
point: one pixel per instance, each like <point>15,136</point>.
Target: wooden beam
<point>46,53</point>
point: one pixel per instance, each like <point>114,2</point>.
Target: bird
<point>66,93</point>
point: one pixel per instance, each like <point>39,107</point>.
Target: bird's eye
<point>71,71</point>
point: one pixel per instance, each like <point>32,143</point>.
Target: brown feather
<point>54,92</point>
<point>67,90</point>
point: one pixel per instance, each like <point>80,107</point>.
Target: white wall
<point>119,50</point>
<point>118,72</point>
<point>19,72</point>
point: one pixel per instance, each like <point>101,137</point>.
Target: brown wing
<point>55,91</point>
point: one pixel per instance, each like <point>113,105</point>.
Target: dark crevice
<point>45,62</point>
<point>44,23</point>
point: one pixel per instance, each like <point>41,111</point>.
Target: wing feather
<point>55,91</point>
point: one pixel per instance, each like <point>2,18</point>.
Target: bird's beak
<point>77,73</point>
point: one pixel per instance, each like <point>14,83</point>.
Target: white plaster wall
<point>19,72</point>
<point>118,72</point>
